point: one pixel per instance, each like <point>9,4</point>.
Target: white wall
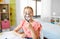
<point>55,7</point>
<point>18,13</point>
<point>44,8</point>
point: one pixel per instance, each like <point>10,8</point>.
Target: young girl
<point>31,27</point>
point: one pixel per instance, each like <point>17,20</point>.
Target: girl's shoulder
<point>36,22</point>
<point>22,21</point>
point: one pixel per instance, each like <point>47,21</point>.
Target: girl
<point>31,27</point>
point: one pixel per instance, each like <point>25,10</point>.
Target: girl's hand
<point>19,34</point>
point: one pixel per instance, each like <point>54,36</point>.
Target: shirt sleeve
<point>21,23</point>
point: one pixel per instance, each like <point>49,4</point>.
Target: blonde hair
<point>29,8</point>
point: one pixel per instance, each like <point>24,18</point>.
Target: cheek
<point>31,15</point>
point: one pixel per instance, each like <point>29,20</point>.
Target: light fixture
<point>54,13</point>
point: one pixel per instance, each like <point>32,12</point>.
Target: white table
<point>9,35</point>
<point>12,35</point>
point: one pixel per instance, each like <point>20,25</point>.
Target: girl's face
<point>28,13</point>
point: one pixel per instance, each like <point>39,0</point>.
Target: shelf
<point>55,20</point>
<point>4,15</point>
<point>55,16</point>
<point>4,12</point>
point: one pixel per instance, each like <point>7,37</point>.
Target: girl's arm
<point>19,33</point>
<point>35,34</point>
<point>17,28</point>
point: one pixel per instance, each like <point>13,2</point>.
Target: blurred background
<point>47,12</point>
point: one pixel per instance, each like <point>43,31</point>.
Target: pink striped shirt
<point>36,26</point>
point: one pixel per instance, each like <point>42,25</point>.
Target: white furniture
<point>9,35</point>
<point>50,31</point>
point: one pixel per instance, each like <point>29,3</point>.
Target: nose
<point>27,15</point>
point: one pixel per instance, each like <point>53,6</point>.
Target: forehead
<point>28,10</point>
